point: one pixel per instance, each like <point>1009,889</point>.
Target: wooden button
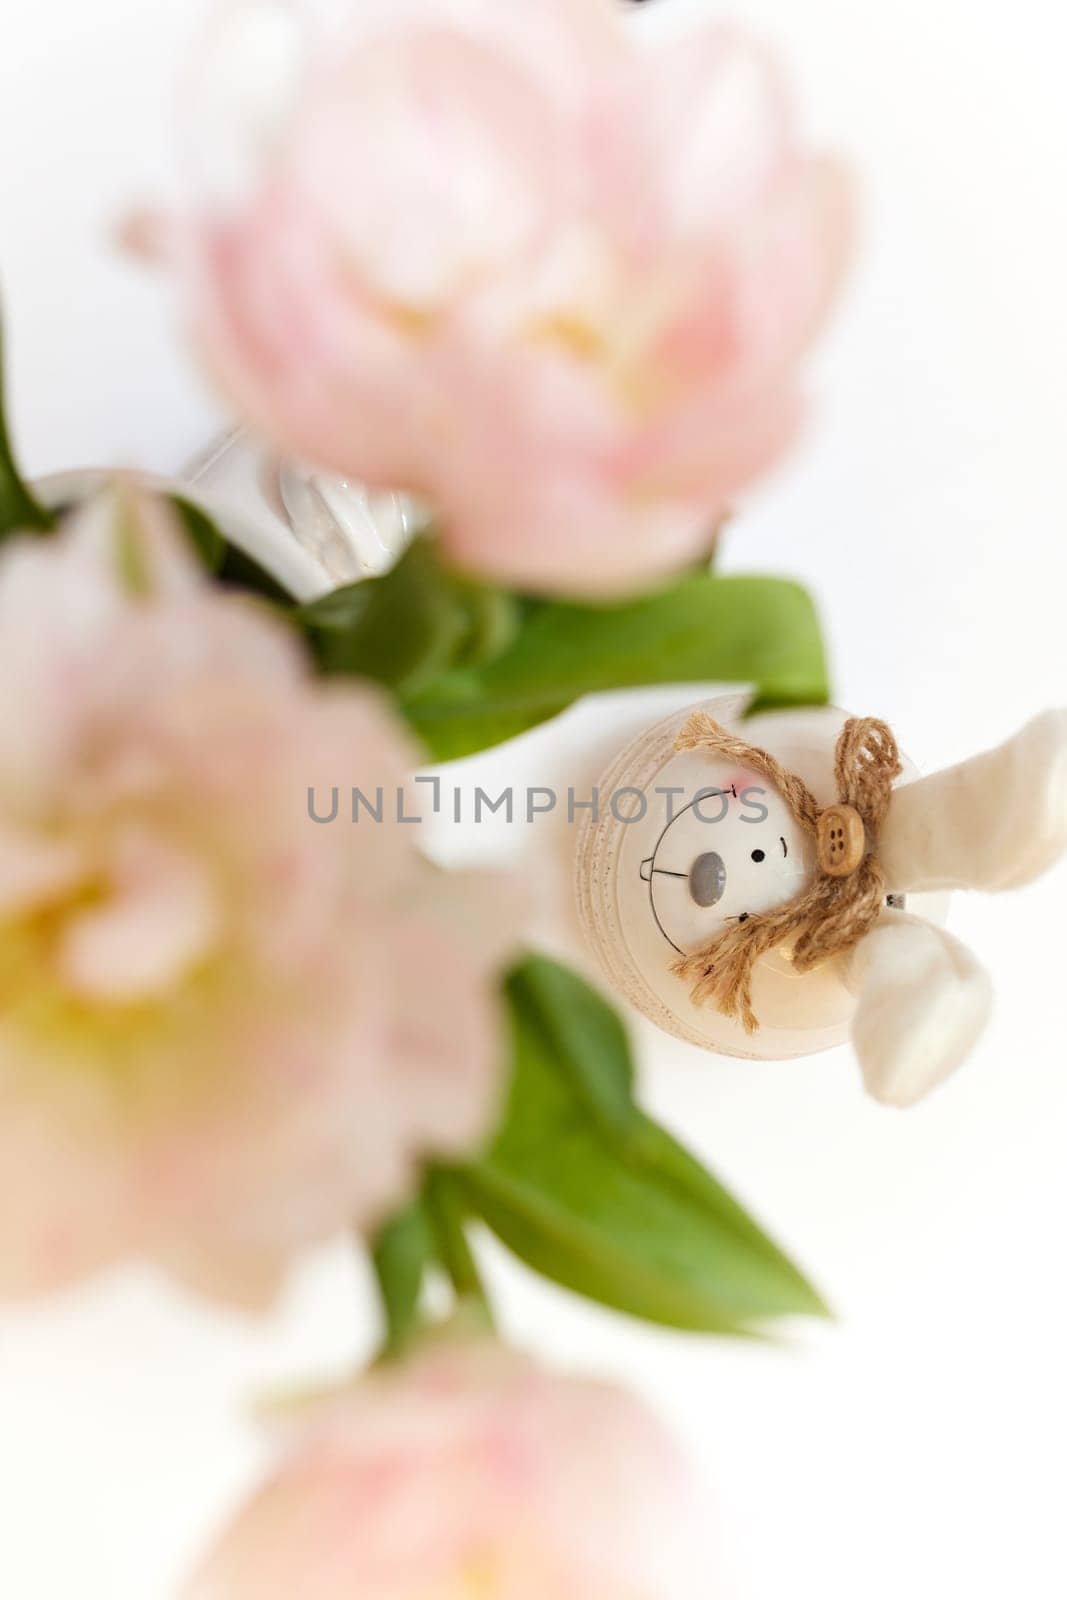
<point>841,839</point>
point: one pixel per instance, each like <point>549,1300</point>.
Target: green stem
<point>399,1255</point>
<point>446,1216</point>
<point>19,511</point>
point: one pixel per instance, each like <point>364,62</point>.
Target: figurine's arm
<point>922,1000</point>
<point>992,823</point>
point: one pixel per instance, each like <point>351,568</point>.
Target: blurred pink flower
<point>471,1475</point>
<point>549,273</point>
<point>226,1032</point>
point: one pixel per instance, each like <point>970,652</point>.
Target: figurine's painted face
<point>736,850</point>
<point>661,875</point>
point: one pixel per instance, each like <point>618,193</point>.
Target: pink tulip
<point>226,1032</point>
<point>550,274</point>
<point>470,1476</point>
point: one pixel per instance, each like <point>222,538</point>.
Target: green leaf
<point>762,631</point>
<point>472,665</point>
<point>203,533</point>
<point>225,561</point>
<point>490,622</point>
<point>401,1254</point>
<point>410,626</point>
<point>19,511</point>
<point>582,1034</point>
<point>590,1192</point>
<point>402,629</point>
<point>448,1215</point>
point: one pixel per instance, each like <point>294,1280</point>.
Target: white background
<point>917,1447</point>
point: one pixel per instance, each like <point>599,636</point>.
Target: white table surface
<point>915,1448</point>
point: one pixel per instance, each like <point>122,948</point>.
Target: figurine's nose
<point>707,878</point>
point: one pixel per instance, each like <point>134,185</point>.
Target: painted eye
<point>759,855</point>
<point>707,878</point>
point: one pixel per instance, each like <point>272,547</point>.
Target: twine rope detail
<point>832,914</point>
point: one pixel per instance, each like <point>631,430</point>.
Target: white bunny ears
<point>994,822</point>
<point>705,843</point>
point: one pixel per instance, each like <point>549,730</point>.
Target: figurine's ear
<point>993,822</point>
<point>923,1000</point>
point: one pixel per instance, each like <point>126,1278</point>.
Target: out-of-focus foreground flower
<point>225,1032</point>
<point>550,274</point>
<point>471,1475</point>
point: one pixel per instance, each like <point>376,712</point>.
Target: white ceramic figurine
<point>767,887</point>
